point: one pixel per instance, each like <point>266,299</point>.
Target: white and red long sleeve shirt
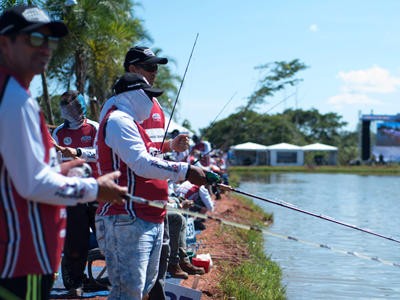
<point>192,192</point>
<point>33,194</point>
<point>123,144</point>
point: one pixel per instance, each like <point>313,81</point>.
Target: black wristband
<point>187,173</point>
<point>78,152</point>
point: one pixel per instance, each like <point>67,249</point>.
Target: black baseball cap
<point>27,18</point>
<point>132,81</point>
<point>142,55</point>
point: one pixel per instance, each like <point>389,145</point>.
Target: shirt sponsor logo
<point>86,138</point>
<point>67,141</point>
<point>165,166</point>
<point>70,191</point>
<point>156,117</point>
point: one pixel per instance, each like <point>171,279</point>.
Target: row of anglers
<point>123,150</point>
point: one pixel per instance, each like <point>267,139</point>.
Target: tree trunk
<point>80,70</point>
<point>46,99</point>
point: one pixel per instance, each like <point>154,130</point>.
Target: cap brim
<point>58,29</point>
<point>155,60</point>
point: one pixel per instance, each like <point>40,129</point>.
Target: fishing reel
<point>212,178</point>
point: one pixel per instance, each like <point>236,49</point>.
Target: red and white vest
<point>150,189</point>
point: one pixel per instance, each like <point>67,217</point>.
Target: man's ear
<point>132,69</point>
<point>4,42</point>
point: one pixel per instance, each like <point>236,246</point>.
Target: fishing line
<point>220,112</point>
<point>211,125</point>
<point>323,217</point>
<point>283,100</point>
<point>161,204</point>
<point>179,91</point>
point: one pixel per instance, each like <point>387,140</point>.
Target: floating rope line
<point>161,204</point>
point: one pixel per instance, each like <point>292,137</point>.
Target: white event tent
<point>249,154</point>
<point>318,147</point>
<point>285,154</point>
<point>282,154</point>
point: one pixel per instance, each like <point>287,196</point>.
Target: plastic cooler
<point>201,262</point>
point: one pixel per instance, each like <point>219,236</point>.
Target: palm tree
<point>91,55</point>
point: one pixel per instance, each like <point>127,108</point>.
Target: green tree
<point>348,147</point>
<point>278,76</point>
<point>258,128</point>
<point>247,125</point>
<point>9,3</point>
<point>92,55</point>
<point>324,128</point>
<point>169,83</point>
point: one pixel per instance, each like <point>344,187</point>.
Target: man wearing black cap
<point>32,191</point>
<point>142,60</point>
<point>130,235</point>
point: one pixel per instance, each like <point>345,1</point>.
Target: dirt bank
<point>221,245</point>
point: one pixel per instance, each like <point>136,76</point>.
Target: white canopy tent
<point>249,154</point>
<point>318,147</point>
<point>285,154</point>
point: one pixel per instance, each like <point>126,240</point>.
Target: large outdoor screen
<point>388,134</point>
<point>387,145</point>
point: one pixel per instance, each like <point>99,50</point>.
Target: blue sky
<point>352,49</point>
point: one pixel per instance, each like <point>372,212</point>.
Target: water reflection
<point>313,273</point>
<point>270,178</point>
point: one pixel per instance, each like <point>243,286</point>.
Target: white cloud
<point>372,80</point>
<point>314,27</point>
<point>342,100</point>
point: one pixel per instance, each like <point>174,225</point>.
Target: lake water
<point>371,202</point>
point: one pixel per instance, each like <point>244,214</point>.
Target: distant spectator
<point>205,149</point>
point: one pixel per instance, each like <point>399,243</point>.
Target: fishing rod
<point>293,207</point>
<point>179,91</point>
<point>161,204</point>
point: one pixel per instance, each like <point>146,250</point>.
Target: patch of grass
<point>393,169</point>
<point>257,277</point>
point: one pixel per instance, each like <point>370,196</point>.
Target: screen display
<point>388,134</point>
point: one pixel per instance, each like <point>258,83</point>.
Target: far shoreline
<point>389,169</point>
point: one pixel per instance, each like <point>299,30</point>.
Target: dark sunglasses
<point>149,67</point>
<point>37,39</point>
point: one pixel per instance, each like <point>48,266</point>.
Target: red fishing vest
<point>150,189</point>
